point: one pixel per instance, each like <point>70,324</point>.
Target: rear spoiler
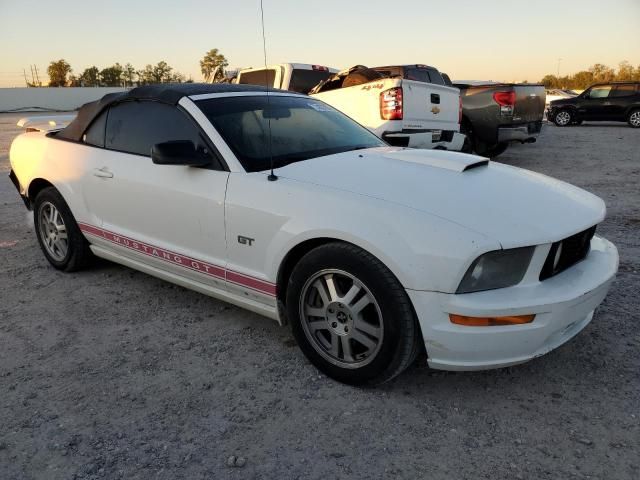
<point>50,123</point>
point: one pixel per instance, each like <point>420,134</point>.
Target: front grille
<point>567,252</point>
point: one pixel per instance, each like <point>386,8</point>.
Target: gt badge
<point>245,240</point>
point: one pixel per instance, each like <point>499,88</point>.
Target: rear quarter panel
<point>64,164</point>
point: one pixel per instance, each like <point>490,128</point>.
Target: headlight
<point>497,269</point>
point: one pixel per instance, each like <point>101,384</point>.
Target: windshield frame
<point>282,160</point>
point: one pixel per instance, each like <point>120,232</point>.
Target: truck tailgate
<point>430,107</point>
<point>529,105</point>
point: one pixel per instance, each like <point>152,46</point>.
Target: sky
<point>506,40</point>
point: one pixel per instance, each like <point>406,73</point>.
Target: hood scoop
<point>454,161</point>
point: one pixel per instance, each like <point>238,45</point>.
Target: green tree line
<point>595,74</point>
<point>61,74</point>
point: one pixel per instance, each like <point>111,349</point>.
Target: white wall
<point>62,98</point>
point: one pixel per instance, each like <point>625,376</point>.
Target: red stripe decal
<point>182,260</point>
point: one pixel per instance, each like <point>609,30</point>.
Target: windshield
<point>301,128</point>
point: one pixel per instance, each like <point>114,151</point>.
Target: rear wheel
<point>350,315</point>
<point>634,118</point>
<point>563,118</point>
<point>58,234</point>
<point>496,150</point>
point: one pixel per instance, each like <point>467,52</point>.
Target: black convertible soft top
<point>169,93</point>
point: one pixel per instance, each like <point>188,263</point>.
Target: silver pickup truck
<point>496,114</point>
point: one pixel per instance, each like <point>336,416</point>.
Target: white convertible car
<point>370,253</point>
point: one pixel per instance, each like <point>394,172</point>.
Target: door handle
<point>102,172</point>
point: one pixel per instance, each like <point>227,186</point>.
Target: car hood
<point>564,101</point>
<point>513,206</point>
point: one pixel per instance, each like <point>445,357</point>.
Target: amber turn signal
<point>490,321</point>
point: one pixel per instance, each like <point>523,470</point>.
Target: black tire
<point>563,118</point>
<point>494,151</point>
<point>401,340</point>
<point>78,253</point>
<point>470,141</point>
<point>633,119</point>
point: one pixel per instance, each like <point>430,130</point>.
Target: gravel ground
<point>110,373</point>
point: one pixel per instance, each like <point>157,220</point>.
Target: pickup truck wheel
<point>58,234</point>
<point>493,152</point>
<point>634,118</point>
<point>563,118</point>
<point>350,315</point>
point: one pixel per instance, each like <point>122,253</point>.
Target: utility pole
<point>33,80</point>
<point>37,77</point>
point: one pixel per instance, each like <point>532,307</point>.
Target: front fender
<point>424,252</point>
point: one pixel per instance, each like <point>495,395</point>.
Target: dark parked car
<point>615,101</point>
<point>496,114</point>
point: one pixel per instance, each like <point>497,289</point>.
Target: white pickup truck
<point>402,112</point>
<point>296,77</point>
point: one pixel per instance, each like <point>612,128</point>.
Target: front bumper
<point>446,140</point>
<point>527,132</point>
<point>563,305</point>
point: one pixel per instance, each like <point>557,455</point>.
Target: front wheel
<point>563,118</point>
<point>58,234</point>
<point>350,315</point>
<point>634,118</point>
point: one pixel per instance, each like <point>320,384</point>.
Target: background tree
<point>210,63</point>
<point>74,81</point>
<point>596,73</point>
<point>602,73</point>
<point>90,77</point>
<point>162,72</point>
<point>58,72</point>
<point>625,71</point>
<point>112,76</point>
<point>128,75</point>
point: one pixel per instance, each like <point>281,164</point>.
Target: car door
<point>593,105</point>
<point>170,217</point>
<point>620,98</point>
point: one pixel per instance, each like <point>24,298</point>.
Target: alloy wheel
<point>341,318</point>
<point>634,119</point>
<point>563,118</point>
<point>53,232</point>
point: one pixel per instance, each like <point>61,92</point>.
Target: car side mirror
<point>179,152</point>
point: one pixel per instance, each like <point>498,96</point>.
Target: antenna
<point>272,176</point>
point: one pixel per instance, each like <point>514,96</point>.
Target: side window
<point>436,77</point>
<point>134,127</point>
<point>266,78</point>
<point>601,91</point>
<point>623,91</point>
<point>94,135</point>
